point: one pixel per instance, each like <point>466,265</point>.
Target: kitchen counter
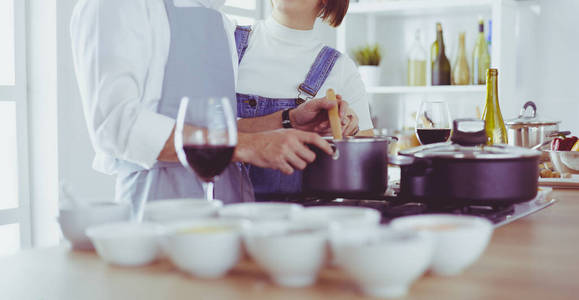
<point>536,257</point>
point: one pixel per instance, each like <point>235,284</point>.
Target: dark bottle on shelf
<point>441,66</point>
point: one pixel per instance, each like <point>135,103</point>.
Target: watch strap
<point>285,118</point>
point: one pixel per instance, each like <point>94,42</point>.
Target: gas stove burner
<point>493,213</point>
<point>407,209</point>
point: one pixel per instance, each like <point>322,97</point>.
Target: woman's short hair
<point>334,11</point>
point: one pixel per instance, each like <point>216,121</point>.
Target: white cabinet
<point>392,24</point>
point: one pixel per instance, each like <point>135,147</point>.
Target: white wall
<point>550,66</point>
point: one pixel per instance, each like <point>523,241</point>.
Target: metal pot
<point>467,171</point>
<point>358,167</point>
<point>528,130</point>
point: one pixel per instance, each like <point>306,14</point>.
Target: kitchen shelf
<point>421,7</point>
<point>427,89</point>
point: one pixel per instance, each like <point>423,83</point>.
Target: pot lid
<point>528,116</point>
<point>455,151</point>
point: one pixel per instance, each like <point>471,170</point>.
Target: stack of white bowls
<point>292,244</point>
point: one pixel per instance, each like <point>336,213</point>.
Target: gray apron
<point>199,66</point>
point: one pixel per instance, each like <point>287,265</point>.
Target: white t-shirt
<point>279,58</point>
<point>120,48</point>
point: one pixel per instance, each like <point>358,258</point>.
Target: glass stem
<point>208,189</point>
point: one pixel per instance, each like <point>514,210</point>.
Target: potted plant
<point>368,59</point>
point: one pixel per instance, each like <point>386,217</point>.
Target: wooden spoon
<point>334,116</point>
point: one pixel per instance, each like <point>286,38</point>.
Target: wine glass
<point>433,123</point>
<point>205,138</point>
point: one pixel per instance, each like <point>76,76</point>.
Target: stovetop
<point>392,206</point>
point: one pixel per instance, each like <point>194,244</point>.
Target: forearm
<point>260,124</point>
<point>169,153</point>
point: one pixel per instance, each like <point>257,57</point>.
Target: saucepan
<point>358,167</point>
<point>466,171</point>
<point>528,130</point>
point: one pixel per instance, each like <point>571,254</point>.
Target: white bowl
<point>75,220</point>
<point>126,243</point>
<point>205,248</point>
<point>347,216</point>
<point>171,210</point>
<point>260,211</point>
<point>459,240</point>
<point>291,253</point>
<point>384,262</point>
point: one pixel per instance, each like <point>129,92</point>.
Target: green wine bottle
<point>494,124</point>
<point>481,60</point>
<point>441,66</point>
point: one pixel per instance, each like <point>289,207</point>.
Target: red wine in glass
<point>208,161</point>
<point>205,138</point>
<point>432,135</point>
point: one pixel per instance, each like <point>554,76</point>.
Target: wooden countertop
<point>536,257</point>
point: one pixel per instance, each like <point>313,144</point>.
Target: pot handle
<point>336,154</point>
<point>400,160</point>
<point>469,132</point>
<point>524,110</point>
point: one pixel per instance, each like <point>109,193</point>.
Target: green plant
<point>369,55</point>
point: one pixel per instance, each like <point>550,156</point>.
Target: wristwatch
<point>285,118</point>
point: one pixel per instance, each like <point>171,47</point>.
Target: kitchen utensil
<point>74,220</point>
<point>260,211</point>
<point>467,171</point>
<point>126,243</point>
<point>529,130</point>
<point>334,116</point>
<point>291,253</point>
<point>358,167</point>
<point>170,210</point>
<point>458,240</point>
<point>383,262</point>
<point>204,248</point>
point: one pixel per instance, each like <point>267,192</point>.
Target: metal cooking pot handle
<point>336,154</point>
<point>400,160</point>
<point>524,110</point>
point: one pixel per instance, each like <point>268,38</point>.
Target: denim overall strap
<point>271,184</point>
<point>319,72</point>
<point>199,67</point>
<point>242,40</point>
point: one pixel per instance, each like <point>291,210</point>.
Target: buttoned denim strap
<point>242,40</point>
<point>319,72</point>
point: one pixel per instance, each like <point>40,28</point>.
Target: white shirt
<point>120,48</point>
<point>278,59</point>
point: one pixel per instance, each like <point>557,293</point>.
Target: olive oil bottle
<point>441,66</point>
<point>494,124</point>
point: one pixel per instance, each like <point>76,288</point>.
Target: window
<point>14,207</point>
<point>245,12</point>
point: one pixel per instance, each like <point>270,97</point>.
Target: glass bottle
<point>494,124</point>
<point>481,59</point>
<point>461,72</point>
<point>441,66</point>
<point>417,63</point>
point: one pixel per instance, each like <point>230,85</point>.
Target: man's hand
<point>313,116</point>
<point>285,149</point>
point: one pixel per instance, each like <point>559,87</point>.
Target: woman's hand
<point>313,116</point>
<point>284,149</point>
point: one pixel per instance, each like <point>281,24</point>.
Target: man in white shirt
<point>120,50</point>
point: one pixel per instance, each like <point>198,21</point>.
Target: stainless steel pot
<point>528,130</point>
<point>358,167</point>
